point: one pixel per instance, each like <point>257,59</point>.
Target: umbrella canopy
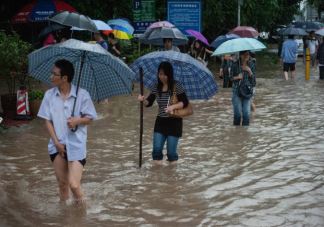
<point>308,25</point>
<point>223,38</point>
<point>157,35</point>
<point>239,44</point>
<point>102,74</point>
<point>245,31</point>
<point>196,78</point>
<point>320,32</point>
<point>100,25</point>
<point>198,36</point>
<point>40,10</point>
<point>122,25</point>
<point>160,24</point>
<point>74,20</point>
<point>50,28</point>
<point>293,31</point>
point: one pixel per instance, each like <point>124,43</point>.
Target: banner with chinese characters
<point>143,14</point>
<point>185,14</point>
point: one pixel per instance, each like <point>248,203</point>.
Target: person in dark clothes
<point>166,129</point>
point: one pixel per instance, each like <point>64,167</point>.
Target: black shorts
<point>53,156</point>
<point>287,66</point>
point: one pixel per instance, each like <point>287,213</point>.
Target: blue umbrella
<point>223,38</point>
<point>237,45</point>
<point>122,25</point>
<point>103,75</point>
<point>196,78</point>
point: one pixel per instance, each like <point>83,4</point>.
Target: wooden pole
<point>141,118</point>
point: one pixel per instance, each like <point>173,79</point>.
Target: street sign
<point>185,14</point>
<point>143,14</point>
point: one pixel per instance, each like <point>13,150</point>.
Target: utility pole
<point>239,4</point>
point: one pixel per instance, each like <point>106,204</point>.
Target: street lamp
<point>239,4</point>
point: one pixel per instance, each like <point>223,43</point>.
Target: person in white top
<point>67,131</point>
<point>312,44</point>
<point>168,45</point>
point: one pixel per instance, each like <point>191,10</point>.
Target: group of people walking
<point>68,134</point>
<point>289,54</point>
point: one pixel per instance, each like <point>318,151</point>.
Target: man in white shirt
<point>68,132</point>
<point>312,44</point>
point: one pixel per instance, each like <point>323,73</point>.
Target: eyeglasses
<point>55,74</point>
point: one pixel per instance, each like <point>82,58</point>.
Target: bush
<point>14,58</point>
<point>35,95</point>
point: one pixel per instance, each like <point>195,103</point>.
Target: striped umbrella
<point>96,70</point>
<point>195,77</point>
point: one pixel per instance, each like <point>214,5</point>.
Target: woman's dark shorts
<point>53,156</point>
<point>288,66</point>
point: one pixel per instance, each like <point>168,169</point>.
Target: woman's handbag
<point>245,89</point>
<point>180,113</point>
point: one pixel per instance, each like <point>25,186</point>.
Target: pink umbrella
<point>198,36</point>
<point>160,24</point>
<point>245,32</point>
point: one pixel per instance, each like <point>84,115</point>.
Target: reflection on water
<point>269,174</point>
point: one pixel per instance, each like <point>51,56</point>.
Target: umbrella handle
<point>74,129</point>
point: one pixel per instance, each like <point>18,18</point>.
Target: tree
<point>319,5</point>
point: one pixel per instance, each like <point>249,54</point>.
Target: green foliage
<point>36,95</point>
<point>104,9</point>
<point>13,55</point>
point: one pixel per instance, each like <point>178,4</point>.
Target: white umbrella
<point>100,25</point>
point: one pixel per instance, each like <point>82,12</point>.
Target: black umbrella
<point>293,31</point>
<point>49,29</point>
<point>74,20</point>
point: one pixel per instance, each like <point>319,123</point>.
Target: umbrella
<point>320,32</point>
<point>160,24</point>
<point>196,78</point>
<point>308,25</point>
<point>293,31</point>
<point>156,25</point>
<point>122,25</point>
<point>100,25</point>
<point>223,38</point>
<point>50,28</point>
<point>198,36</point>
<point>74,20</point>
<point>103,75</point>
<point>158,34</point>
<point>239,44</point>
<point>245,31</point>
<point>40,10</point>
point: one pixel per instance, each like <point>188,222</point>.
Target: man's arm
<point>50,128</point>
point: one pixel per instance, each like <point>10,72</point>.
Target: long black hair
<point>168,71</point>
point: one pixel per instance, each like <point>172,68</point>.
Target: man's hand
<point>60,149</point>
<point>72,122</point>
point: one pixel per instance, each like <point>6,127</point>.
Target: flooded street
<point>269,174</point>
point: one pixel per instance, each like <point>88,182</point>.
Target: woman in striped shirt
<point>166,128</point>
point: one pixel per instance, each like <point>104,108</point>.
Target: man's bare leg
<point>75,175</point>
<point>61,173</point>
<point>286,75</point>
<point>293,74</point>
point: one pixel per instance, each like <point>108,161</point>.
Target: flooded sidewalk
<point>269,174</point>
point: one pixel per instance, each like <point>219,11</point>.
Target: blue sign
<point>185,14</point>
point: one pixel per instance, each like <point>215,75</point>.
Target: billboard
<point>185,14</point>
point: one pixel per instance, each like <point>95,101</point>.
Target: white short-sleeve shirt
<point>57,110</point>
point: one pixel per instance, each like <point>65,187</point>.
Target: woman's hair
<point>168,71</point>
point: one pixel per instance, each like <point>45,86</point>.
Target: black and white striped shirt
<point>164,100</point>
